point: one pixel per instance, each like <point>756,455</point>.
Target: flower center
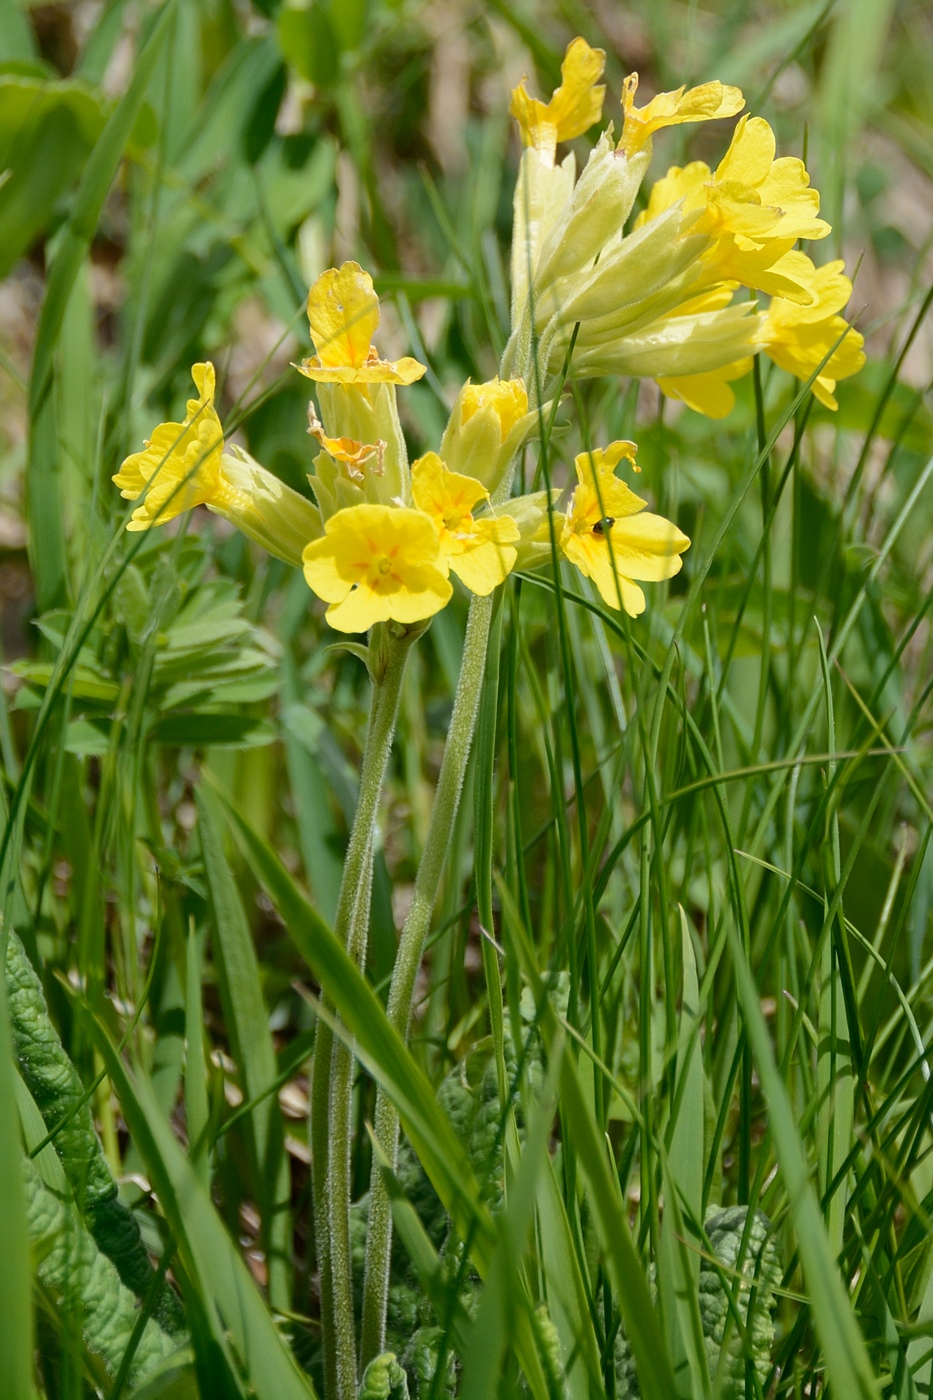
<point>384,566</point>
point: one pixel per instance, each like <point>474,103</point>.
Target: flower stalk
<point>410,949</point>
<point>331,1077</point>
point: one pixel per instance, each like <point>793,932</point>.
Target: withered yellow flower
<point>611,538</point>
<point>343,311</point>
<point>354,455</point>
<point>377,563</point>
<point>479,551</point>
<point>180,466</point>
<point>574,106</point>
<point>697,104</point>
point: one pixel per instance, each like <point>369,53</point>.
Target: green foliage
<point>384,1379</point>
<point>677,981</point>
<point>111,1228</point>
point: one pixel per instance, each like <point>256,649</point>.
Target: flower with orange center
<point>611,538</point>
<point>343,310</point>
<point>479,551</point>
<point>377,563</point>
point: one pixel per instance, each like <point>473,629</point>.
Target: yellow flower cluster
<point>658,301</point>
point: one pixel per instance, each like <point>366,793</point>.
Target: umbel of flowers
<point>659,301</point>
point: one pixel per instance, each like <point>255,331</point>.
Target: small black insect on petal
<point>603,525</point>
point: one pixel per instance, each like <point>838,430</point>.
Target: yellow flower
<point>480,552</point>
<point>698,104</point>
<point>610,538</point>
<point>377,564</point>
<point>488,424</point>
<point>181,464</point>
<point>507,398</point>
<point>750,180</point>
<point>354,455</point>
<point>755,207</point>
<point>574,107</point>
<point>798,338</point>
<point>343,311</point>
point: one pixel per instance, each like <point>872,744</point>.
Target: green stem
<point>410,949</point>
<point>331,1080</point>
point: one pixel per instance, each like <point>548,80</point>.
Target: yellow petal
<point>647,546</point>
<point>751,151</point>
<point>508,399</point>
<point>180,466</point>
<point>377,563</point>
<point>343,310</point>
<point>574,107</point>
<point>602,461</point>
<point>489,557</point>
<point>708,393</point>
<point>697,104</point>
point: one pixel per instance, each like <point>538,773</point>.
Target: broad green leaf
<point>16,1273</point>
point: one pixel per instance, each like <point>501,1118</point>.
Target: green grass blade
<point>248,1027</point>
<point>847,1366</point>
<point>211,1259</point>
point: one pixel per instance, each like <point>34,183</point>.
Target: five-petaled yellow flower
<point>343,311</point>
<point>377,564</point>
<point>611,538</point>
<point>697,104</point>
<point>480,552</point>
<point>798,338</point>
<point>180,466</point>
<point>573,108</point>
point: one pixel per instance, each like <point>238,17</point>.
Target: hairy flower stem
<point>408,958</point>
<point>331,1080</point>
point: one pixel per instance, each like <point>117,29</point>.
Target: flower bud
<point>488,426</point>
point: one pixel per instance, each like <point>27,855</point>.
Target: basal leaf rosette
<point>610,536</point>
<point>185,465</point>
